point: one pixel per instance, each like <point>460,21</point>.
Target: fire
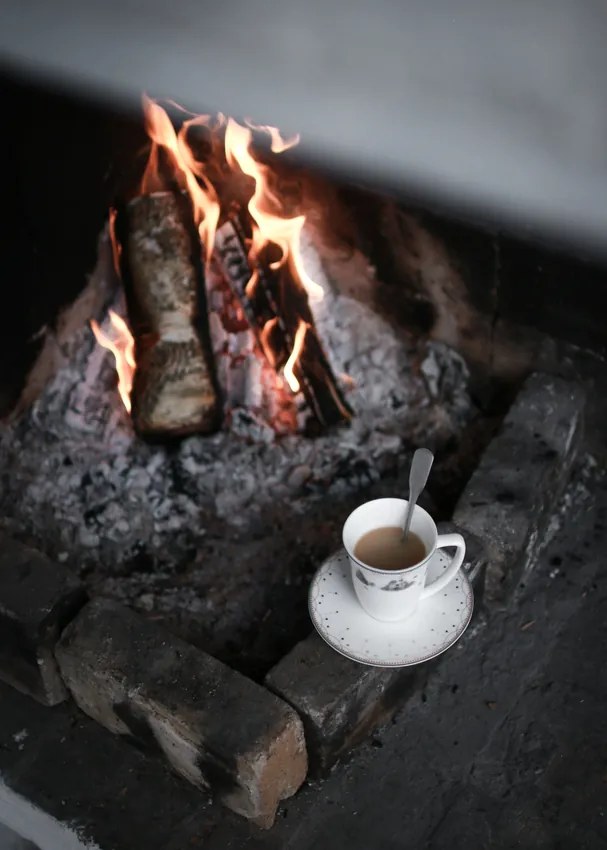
<point>171,148</point>
<point>123,349</point>
<point>277,143</point>
<point>269,225</point>
<point>264,208</point>
<point>265,339</point>
<point>204,198</point>
<point>294,356</point>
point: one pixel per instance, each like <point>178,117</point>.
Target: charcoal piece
<point>264,310</point>
<point>173,387</point>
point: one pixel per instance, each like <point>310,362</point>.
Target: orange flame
<point>264,208</point>
<point>277,143</point>
<point>265,339</point>
<point>294,356</point>
<point>204,198</point>
<point>123,349</point>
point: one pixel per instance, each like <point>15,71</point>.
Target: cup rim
<point>390,572</point>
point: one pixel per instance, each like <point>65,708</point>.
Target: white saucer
<point>339,619</point>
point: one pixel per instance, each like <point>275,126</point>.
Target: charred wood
<point>274,305</point>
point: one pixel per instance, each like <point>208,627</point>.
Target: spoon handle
<point>420,470</point>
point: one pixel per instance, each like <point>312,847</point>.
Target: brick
<point>37,599</point>
<point>511,495</point>
<point>215,727</point>
<point>340,701</point>
<point>475,561</point>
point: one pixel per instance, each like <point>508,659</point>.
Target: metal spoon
<point>420,470</point>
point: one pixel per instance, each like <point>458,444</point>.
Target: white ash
<point>77,481</point>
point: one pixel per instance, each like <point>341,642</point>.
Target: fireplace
<point>193,463</point>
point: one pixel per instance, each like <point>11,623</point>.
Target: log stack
<point>174,388</point>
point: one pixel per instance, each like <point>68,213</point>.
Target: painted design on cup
<point>397,584</point>
<point>363,580</point>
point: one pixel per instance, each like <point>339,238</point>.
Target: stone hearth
<point>332,702</point>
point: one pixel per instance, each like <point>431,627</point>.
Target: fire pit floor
<point>217,536</point>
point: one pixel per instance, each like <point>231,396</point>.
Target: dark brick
<point>475,562</point>
<point>215,727</point>
<point>509,499</point>
<point>340,701</point>
<point>38,598</point>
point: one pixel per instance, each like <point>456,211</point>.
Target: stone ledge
<point>509,499</point>
<point>216,728</point>
<point>341,701</point>
<point>38,598</point>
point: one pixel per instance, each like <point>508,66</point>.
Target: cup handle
<point>443,541</point>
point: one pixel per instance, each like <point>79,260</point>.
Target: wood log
<point>174,390</point>
<point>275,322</point>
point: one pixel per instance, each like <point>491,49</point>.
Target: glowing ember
<point>123,349</point>
<point>297,347</point>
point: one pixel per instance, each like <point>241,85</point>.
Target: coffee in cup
<point>385,548</point>
<point>372,535</point>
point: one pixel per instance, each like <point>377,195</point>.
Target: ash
<point>213,533</point>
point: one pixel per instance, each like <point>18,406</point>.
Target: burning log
<point>173,389</point>
<point>285,332</point>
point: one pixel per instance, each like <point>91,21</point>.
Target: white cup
<point>395,594</point>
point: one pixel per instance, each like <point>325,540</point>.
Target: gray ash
<point>218,535</point>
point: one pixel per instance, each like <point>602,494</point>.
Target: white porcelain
<point>439,622</point>
<point>390,595</point>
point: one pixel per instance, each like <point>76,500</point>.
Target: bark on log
<point>174,391</point>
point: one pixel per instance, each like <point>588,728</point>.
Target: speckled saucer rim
<point>384,663</point>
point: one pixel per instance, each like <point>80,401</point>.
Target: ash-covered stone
<point>168,528</point>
